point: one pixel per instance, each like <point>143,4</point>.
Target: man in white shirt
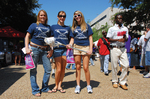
<point>147,49</point>
<point>141,44</point>
<point>118,35</point>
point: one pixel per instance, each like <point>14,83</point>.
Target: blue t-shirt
<point>82,37</point>
<point>62,34</point>
<point>39,32</point>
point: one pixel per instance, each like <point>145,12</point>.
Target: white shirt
<point>117,33</point>
<point>148,41</point>
<point>141,42</point>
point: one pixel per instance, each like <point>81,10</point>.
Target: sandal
<point>37,95</point>
<point>62,90</point>
<point>54,90</point>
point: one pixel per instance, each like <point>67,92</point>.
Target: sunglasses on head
<point>79,15</point>
<point>64,16</point>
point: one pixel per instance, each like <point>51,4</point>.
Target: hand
<point>122,40</point>
<point>50,53</point>
<point>89,52</point>
<point>28,51</point>
<point>68,46</point>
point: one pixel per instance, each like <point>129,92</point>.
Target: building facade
<point>104,17</point>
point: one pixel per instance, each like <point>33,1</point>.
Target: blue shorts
<point>147,58</point>
<point>59,52</point>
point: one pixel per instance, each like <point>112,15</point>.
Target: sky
<point>90,9</point>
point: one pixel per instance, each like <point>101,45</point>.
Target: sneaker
<point>106,73</point>
<point>92,64</point>
<point>102,71</point>
<point>147,76</point>
<point>89,89</point>
<point>77,90</point>
<point>145,73</point>
<point>53,75</point>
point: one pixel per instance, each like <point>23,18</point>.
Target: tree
<point>18,13</point>
<point>138,12</point>
<point>97,34</point>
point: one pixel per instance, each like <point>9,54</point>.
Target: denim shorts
<point>147,58</point>
<point>59,52</point>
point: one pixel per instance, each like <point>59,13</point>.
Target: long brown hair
<point>38,20</point>
<point>83,23</point>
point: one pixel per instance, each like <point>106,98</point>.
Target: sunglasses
<point>79,15</point>
<point>64,16</point>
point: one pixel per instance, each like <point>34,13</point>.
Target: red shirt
<point>103,50</point>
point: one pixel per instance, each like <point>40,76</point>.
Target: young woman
<point>62,34</point>
<point>82,40</point>
<point>39,31</point>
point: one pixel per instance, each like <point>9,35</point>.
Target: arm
<point>91,45</point>
<point>50,53</point>
<point>28,51</point>
<point>98,45</point>
<point>70,43</point>
<point>124,39</point>
<point>145,39</point>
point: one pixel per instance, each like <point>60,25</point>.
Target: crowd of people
<point>127,50</point>
<point>113,45</point>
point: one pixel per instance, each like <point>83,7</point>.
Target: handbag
<point>29,62</point>
<point>70,57</point>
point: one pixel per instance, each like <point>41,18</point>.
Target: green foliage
<point>97,34</point>
<point>138,11</point>
<point>18,13</point>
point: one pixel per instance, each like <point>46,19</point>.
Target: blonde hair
<point>83,24</point>
<point>38,20</point>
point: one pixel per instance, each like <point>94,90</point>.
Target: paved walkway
<point>15,84</point>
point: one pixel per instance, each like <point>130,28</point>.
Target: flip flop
<point>54,90</point>
<point>62,90</point>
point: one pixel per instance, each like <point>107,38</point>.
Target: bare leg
<point>86,68</point>
<point>78,68</point>
<point>134,68</point>
<point>63,66</point>
<point>19,59</point>
<point>146,68</point>
<point>58,72</point>
<point>16,60</point>
<point>120,69</point>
